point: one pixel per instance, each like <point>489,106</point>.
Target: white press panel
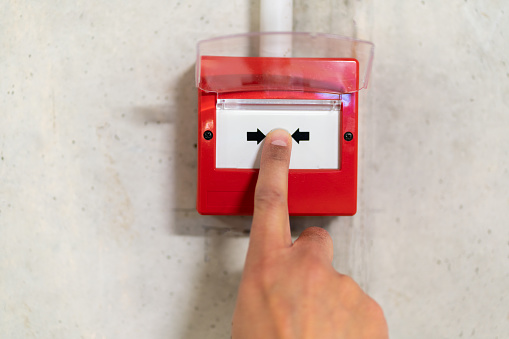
<point>316,120</point>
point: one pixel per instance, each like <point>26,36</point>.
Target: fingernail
<point>279,137</point>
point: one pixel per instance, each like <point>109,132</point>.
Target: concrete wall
<point>99,237</point>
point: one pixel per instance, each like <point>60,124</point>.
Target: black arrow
<point>257,136</point>
<point>300,136</point>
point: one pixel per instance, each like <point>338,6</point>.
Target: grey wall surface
<point>99,237</point>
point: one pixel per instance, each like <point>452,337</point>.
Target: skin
<point>291,290</point>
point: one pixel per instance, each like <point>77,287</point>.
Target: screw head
<point>208,135</point>
<point>348,136</point>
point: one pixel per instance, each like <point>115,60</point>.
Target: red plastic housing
<point>310,192</point>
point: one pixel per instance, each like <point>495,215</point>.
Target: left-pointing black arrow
<point>300,136</point>
<point>257,136</point>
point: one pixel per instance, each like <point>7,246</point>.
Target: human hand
<point>291,291</point>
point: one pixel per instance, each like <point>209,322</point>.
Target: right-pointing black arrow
<point>257,136</point>
<point>300,136</point>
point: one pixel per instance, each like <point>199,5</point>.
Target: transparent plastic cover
<point>283,61</point>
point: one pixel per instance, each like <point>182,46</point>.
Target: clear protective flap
<point>283,61</point>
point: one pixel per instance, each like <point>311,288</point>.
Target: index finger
<point>271,225</point>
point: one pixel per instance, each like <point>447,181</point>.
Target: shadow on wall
<point>215,283</point>
<point>185,219</point>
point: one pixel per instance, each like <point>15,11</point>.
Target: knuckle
<point>350,288</point>
<point>374,310</point>
<point>373,313</point>
<point>348,283</point>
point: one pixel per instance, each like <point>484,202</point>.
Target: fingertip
<point>279,137</point>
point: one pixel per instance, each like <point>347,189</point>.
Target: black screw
<point>348,136</point>
<point>208,135</point>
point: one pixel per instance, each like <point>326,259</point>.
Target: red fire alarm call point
<point>304,83</point>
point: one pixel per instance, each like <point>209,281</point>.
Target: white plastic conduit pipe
<point>276,16</point>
